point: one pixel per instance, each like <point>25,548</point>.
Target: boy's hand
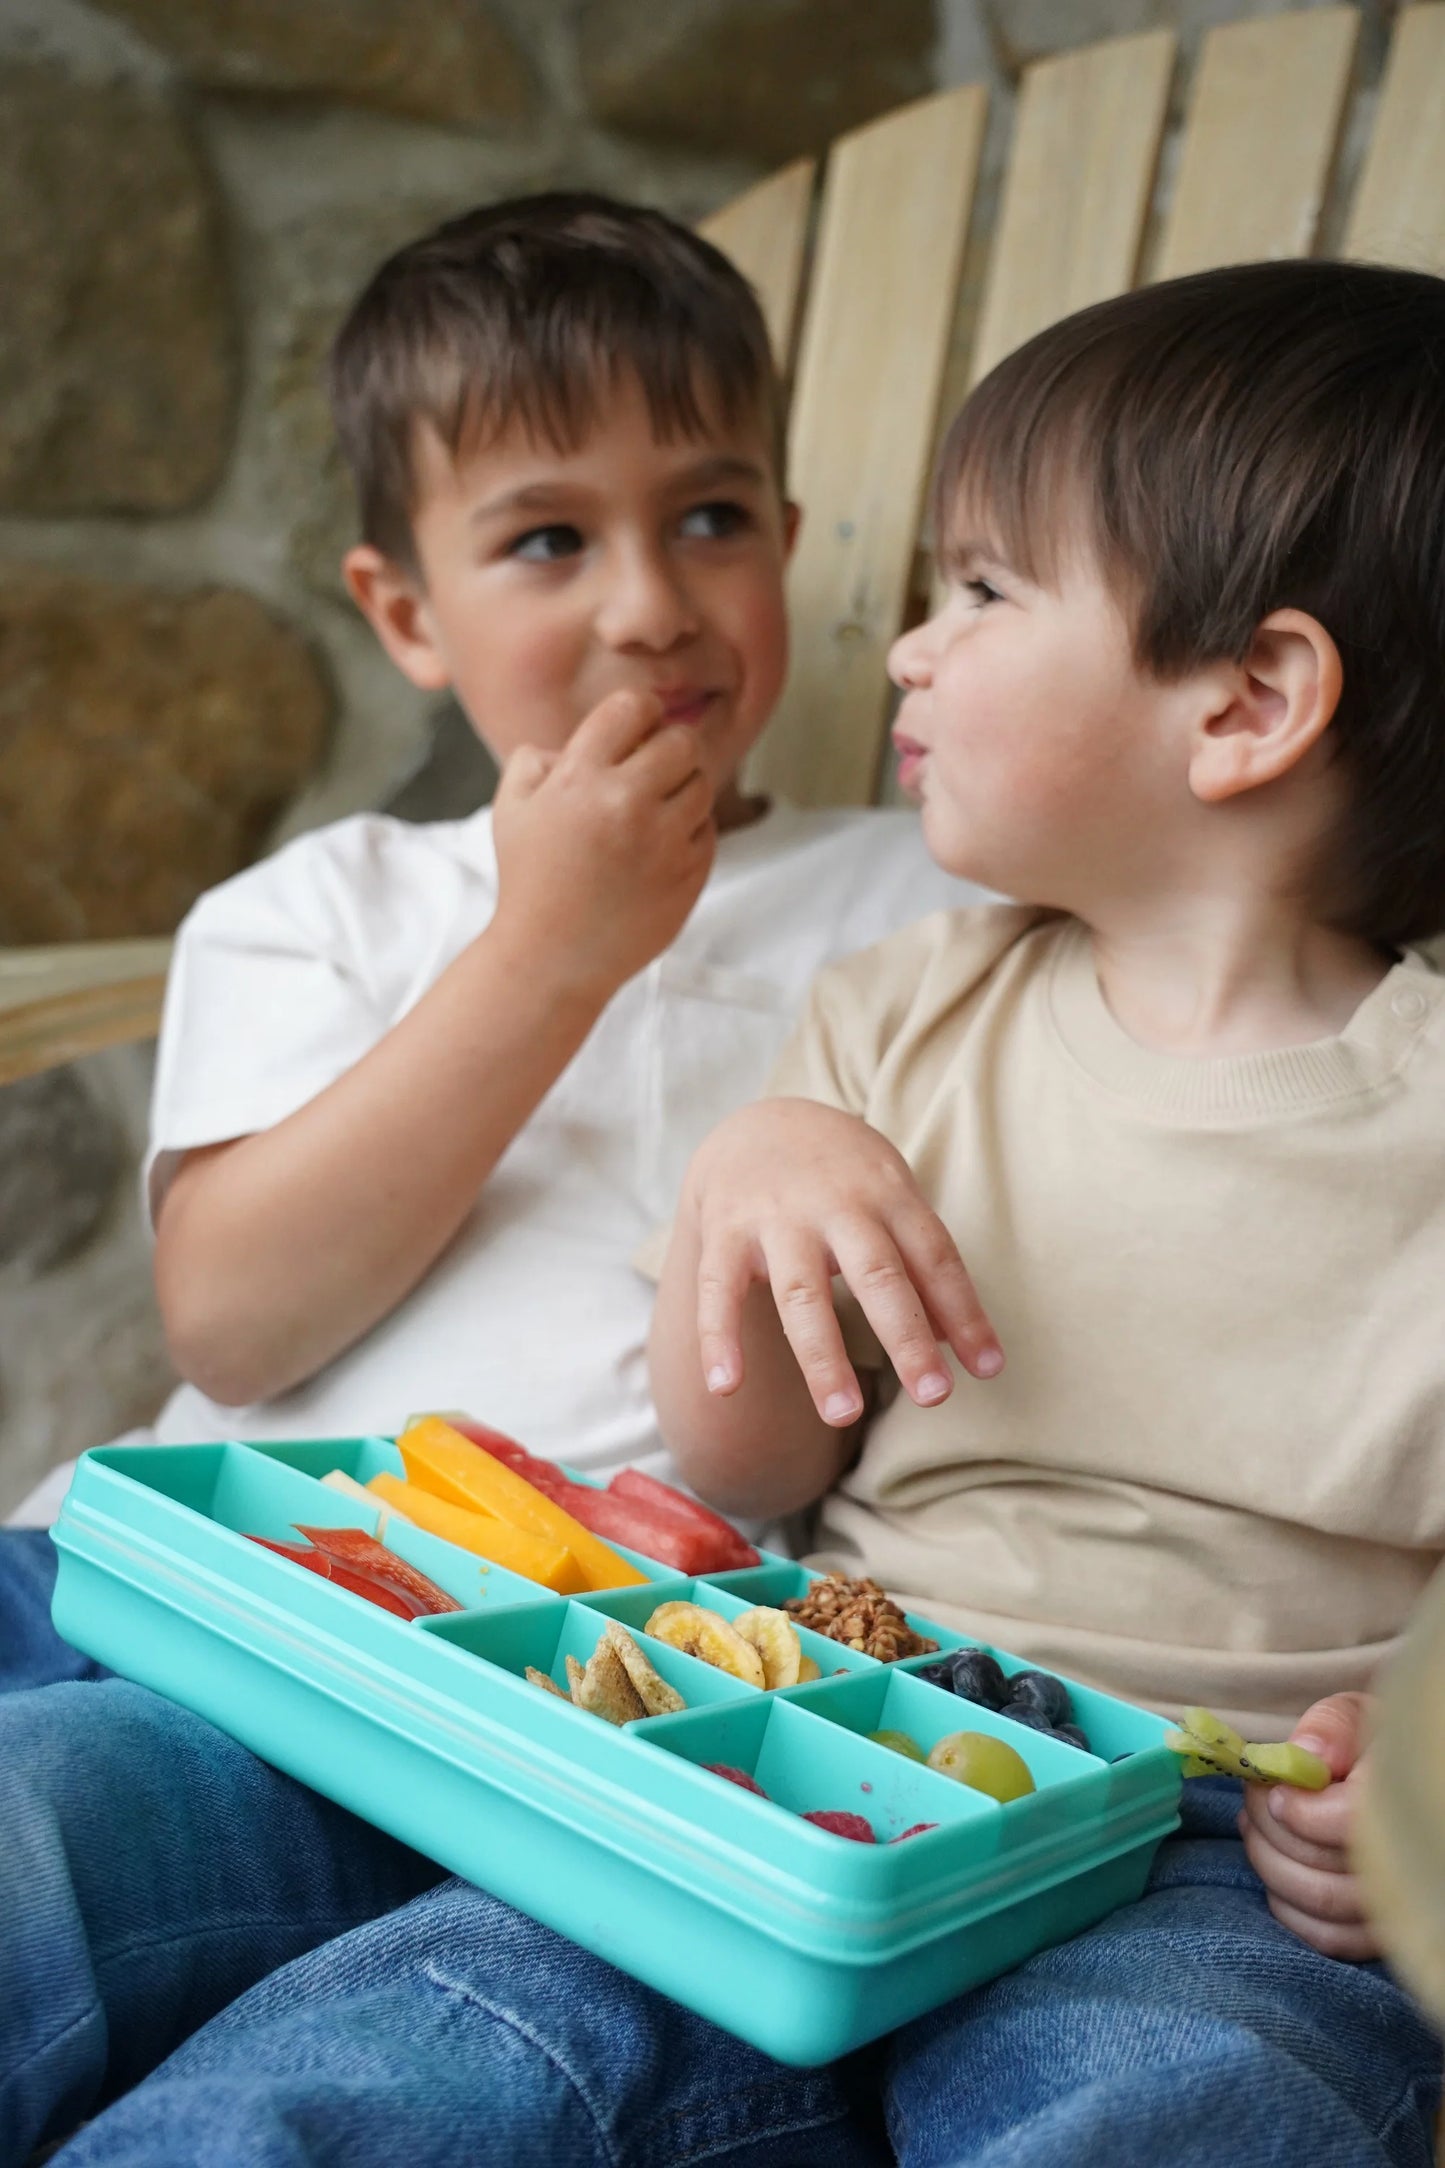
<point>1298,1842</point>
<point>604,847</point>
<point>791,1192</point>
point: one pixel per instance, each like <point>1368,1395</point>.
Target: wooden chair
<point>860,278</point>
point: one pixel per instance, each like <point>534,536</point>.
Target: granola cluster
<point>858,1614</point>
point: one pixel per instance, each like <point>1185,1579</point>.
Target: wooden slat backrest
<point>1076,194</point>
<point>765,232</point>
<point>1264,122</point>
<point>1399,209</point>
<point>891,231</point>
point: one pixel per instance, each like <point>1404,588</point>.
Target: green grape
<point>898,1742</point>
<point>978,1759</point>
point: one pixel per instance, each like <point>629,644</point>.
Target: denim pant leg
<point>31,1651</point>
<point>150,1871</point>
<point>457,2034</point>
<point>1190,2028</point>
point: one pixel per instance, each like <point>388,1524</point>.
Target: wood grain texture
<point>1075,197</point>
<point>62,1001</point>
<point>1398,215</point>
<point>892,226</point>
<point>765,233</point>
<point>1264,122</point>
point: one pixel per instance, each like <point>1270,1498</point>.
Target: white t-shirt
<point>533,1319</point>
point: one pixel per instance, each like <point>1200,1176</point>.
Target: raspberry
<point>736,1776</point>
<point>842,1825</point>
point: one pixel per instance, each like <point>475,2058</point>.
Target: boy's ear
<point>394,604</point>
<point>1271,710</point>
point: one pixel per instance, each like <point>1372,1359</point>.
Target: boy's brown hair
<point>1246,440</point>
<point>526,311</point>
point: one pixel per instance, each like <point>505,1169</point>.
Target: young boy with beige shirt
<point>1181,1112</point>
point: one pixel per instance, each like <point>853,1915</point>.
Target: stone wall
<point>193,189</point>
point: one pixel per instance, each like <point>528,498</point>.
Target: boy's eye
<point>980,591</point>
<point>545,545</point>
<point>714,522</point>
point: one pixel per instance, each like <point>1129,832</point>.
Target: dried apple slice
<point>606,1690</point>
<point>657,1697</point>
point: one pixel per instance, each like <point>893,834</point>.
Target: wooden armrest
<point>58,1003</point>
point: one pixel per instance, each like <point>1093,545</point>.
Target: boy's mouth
<point>911,756</point>
<point>685,703</point>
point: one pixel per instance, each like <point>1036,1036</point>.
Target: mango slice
<point>537,1557</point>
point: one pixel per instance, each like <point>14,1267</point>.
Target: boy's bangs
<point>1015,477</point>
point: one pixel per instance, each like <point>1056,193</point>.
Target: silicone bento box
<point>788,1935</point>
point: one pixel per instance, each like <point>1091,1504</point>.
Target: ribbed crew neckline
<point>1238,1087</point>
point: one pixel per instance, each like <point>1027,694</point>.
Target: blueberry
<point>1071,1736</point>
<point>1042,1691</point>
<point>1019,1712</point>
<point>936,1675</point>
<point>976,1676</point>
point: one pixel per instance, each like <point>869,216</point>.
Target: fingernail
<point>933,1387</point>
<point>1277,1800</point>
<point>1310,1741</point>
<point>719,1378</point>
<point>988,1362</point>
<point>841,1407</point>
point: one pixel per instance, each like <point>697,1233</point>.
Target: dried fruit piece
<point>1290,1764</point>
<point>898,1742</point>
<point>736,1776</point>
<point>775,1637</point>
<point>605,1690</point>
<point>574,1677</point>
<point>700,1633</point>
<point>984,1763</point>
<point>653,1691</point>
<point>842,1824</point>
<point>534,1677</point>
<point>807,1671</point>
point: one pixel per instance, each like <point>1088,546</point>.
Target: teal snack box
<point>794,1938</point>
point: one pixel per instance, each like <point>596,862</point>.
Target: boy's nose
<point>910,659</point>
<point>646,605</point>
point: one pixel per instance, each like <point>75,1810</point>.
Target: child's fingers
<point>930,1257</point>
<point>871,1265</point>
<point>615,728</point>
<point>1257,1816</point>
<point>726,1270</point>
<point>1322,1894</point>
<point>801,1280</point>
<point>1353,1942</point>
<point>1323,1818</point>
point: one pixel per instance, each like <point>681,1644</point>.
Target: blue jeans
<point>151,1871</point>
<point>31,1651</point>
<point>156,1871</point>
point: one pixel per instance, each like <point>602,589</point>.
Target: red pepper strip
<point>316,1562</point>
<point>355,1552</point>
<point>647,1490</point>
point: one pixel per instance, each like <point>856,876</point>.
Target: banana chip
<point>656,1696</point>
<point>696,1632</point>
<point>775,1637</point>
<point>535,1677</point>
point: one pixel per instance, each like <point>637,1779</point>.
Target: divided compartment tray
<point>798,1940</point>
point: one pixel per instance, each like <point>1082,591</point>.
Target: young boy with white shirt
<point>422,1091</point>
<point>1181,1111</point>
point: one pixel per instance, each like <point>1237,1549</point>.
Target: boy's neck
<point>734,807</point>
<point>1210,977</point>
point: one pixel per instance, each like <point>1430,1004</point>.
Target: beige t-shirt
<point>1213,1469</point>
